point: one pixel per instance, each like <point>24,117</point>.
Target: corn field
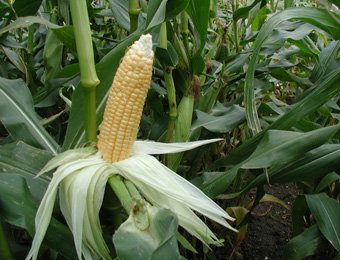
<point>169,129</point>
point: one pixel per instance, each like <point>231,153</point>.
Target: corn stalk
<point>89,79</point>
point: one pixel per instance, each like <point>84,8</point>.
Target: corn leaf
<point>120,10</point>
<point>19,117</point>
<point>280,147</point>
<point>317,17</point>
<point>276,148</point>
<point>18,207</point>
<point>26,7</point>
<point>327,180</point>
<point>66,35</point>
<point>325,58</point>
<point>326,212</point>
<point>323,91</point>
<point>244,11</point>
<point>310,166</point>
<point>298,214</point>
<point>197,10</point>
<point>25,161</point>
<point>307,243</point>
<point>226,119</point>
<point>27,21</point>
<point>156,13</point>
<point>16,60</point>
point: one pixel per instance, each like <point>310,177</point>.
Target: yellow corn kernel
<point>124,106</point>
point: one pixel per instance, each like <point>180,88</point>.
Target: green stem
<point>275,8</point>
<point>30,60</point>
<point>206,103</point>
<point>171,91</point>
<point>82,33</point>
<point>5,253</point>
<point>121,191</point>
<point>134,10</point>
<point>133,190</point>
<point>272,5</point>
<point>185,30</point>
<point>30,43</point>
<point>163,38</point>
<point>235,28</point>
<point>170,87</point>
<point>90,112</point>
<point>182,128</point>
<point>89,79</point>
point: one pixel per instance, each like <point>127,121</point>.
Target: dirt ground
<point>270,227</point>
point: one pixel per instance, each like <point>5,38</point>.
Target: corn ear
<point>126,100</point>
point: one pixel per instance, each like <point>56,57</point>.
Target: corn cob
<point>124,106</point>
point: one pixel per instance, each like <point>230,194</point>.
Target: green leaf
<point>174,7</point>
<point>309,167</point>
<point>185,243</point>
<point>19,117</point>
<point>230,118</point>
<point>307,243</point>
<point>317,17</point>
<point>120,10</point>
<point>52,56</point>
<point>327,180</point>
<point>288,3</point>
<point>280,147</point>
<point>65,34</point>
<point>198,63</point>
<point>276,148</point>
<point>253,13</point>
<point>27,21</point>
<point>167,57</point>
<point>298,213</point>
<point>326,212</point>
<point>18,207</point>
<point>26,7</point>
<point>243,11</point>
<point>199,14</point>
<point>158,241</point>
<point>284,75</point>
<point>326,56</point>
<point>163,10</point>
<point>216,183</point>
<point>16,60</point>
<point>156,13</point>
<point>260,18</point>
<point>323,90</point>
<point>312,165</point>
<point>26,161</point>
<point>239,213</point>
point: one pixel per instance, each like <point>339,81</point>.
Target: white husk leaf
<point>84,174</point>
<point>149,171</point>
<point>45,209</point>
<point>150,147</point>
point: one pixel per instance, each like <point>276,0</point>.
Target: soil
<point>270,226</point>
